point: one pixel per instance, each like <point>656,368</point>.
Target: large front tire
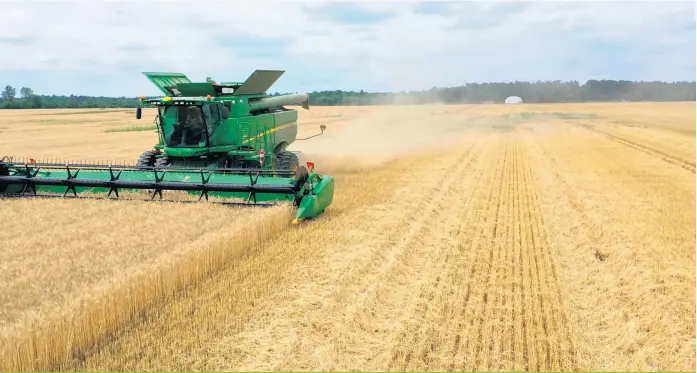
<point>147,159</point>
<point>162,162</point>
<point>287,161</point>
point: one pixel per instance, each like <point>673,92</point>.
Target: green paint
<point>321,196</point>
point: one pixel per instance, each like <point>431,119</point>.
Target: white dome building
<point>514,100</point>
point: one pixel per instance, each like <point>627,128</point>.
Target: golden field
<point>462,237</point>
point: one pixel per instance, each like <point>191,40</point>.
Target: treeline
<point>27,99</point>
<point>537,92</point>
<point>532,92</point>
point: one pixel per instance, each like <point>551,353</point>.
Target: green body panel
<point>259,82</point>
<point>321,197</point>
<point>196,89</point>
<point>162,80</point>
<point>187,152</point>
<point>285,135</point>
<point>239,106</point>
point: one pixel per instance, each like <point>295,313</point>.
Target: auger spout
<point>276,101</point>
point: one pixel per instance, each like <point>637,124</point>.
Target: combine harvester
<point>224,140</point>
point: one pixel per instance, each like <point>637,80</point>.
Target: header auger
<point>225,140</point>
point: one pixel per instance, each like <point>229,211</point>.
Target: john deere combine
<point>224,140</point>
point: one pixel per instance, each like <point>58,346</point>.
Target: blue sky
<point>101,47</point>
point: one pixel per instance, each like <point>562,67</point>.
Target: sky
<point>102,47</point>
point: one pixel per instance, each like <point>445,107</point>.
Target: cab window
<point>214,113</point>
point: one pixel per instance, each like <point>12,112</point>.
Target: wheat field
<point>530,237</point>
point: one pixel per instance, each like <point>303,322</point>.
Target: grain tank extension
<point>227,140</point>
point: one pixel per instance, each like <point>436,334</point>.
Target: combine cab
<point>225,140</point>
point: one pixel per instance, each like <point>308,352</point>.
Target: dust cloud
<point>388,128</point>
<point>369,137</point>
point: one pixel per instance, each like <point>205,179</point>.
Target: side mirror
<point>139,112</point>
<point>226,112</point>
<point>322,127</point>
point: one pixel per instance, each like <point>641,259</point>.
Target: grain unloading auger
<point>225,140</point>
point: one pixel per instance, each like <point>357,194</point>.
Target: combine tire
<point>161,162</point>
<point>287,161</point>
<point>4,171</point>
<point>147,159</point>
<point>300,178</point>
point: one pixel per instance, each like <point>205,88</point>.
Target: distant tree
<point>9,93</point>
<point>36,102</point>
<point>26,92</point>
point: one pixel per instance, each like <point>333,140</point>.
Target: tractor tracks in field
<point>415,345</point>
<point>559,351</point>
<point>674,160</point>
<point>418,255</point>
<point>607,207</point>
<point>351,315</point>
<point>497,303</point>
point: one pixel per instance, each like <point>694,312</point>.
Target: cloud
<point>101,47</point>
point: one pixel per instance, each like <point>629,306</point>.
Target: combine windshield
<point>184,126</point>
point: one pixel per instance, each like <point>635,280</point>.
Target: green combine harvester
<point>226,140</point>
